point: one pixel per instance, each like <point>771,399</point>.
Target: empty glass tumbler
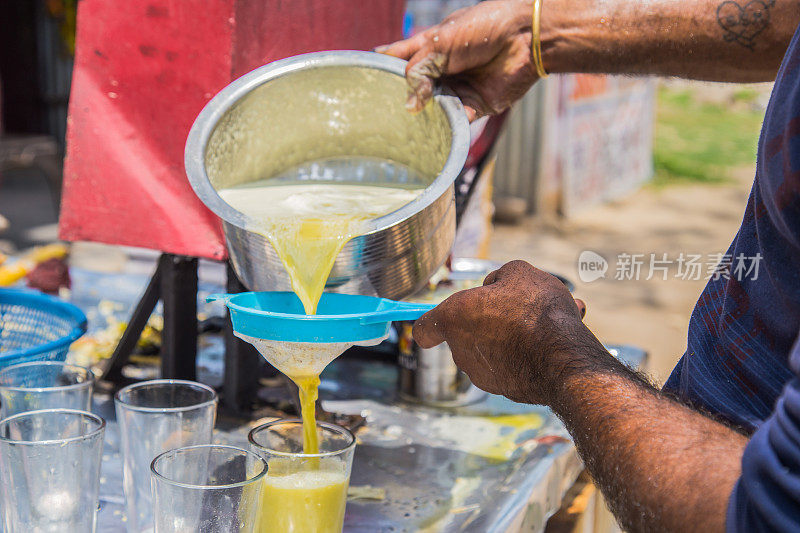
<point>45,385</point>
<point>207,489</point>
<point>156,416</point>
<point>50,471</point>
<point>303,492</point>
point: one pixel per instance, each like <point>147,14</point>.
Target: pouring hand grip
<point>399,311</point>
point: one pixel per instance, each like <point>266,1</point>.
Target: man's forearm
<point>661,465</point>
<point>717,40</point>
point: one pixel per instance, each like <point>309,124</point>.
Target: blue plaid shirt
<point>743,360</point>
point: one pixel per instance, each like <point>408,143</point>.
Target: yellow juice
<point>309,391</point>
<point>303,502</point>
<point>308,224</point>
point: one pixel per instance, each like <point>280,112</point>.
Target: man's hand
<point>483,53</point>
<point>515,336</point>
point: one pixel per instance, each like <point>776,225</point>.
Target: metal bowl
<point>319,117</point>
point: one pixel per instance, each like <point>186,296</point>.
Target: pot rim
<point>217,107</point>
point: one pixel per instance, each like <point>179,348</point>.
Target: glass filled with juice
<point>303,492</point>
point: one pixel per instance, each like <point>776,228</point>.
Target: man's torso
<point>745,323</point>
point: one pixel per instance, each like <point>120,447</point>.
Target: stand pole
<point>175,283</point>
<point>134,330</point>
<point>179,296</point>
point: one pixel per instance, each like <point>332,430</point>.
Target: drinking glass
<point>156,416</point>
<point>45,385</point>
<point>207,489</point>
<point>50,470</point>
<point>303,492</point>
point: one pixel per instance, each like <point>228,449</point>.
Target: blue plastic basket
<point>36,327</point>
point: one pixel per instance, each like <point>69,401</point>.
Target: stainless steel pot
<point>322,116</point>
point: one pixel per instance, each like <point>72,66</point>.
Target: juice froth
<point>303,501</point>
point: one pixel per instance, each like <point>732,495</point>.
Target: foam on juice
<point>312,500</point>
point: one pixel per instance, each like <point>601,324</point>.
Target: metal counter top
<point>493,466</point>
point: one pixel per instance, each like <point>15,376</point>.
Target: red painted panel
<point>281,28</point>
<point>143,70</point>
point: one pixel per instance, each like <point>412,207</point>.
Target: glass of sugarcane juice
<point>303,492</point>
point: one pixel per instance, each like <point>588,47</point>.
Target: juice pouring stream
<point>308,224</point>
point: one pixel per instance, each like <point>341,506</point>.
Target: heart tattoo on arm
<point>743,22</point>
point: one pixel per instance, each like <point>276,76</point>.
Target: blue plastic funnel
<point>351,318</point>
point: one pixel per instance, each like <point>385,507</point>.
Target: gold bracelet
<point>536,39</point>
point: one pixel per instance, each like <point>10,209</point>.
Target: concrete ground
<point>652,314</point>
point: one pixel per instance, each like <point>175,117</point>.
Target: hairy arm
<point>484,54</point>
<point>718,40</point>
<point>661,465</point>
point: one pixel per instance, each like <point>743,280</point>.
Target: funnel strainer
<point>340,318</point>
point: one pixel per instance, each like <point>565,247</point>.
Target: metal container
<point>430,377</point>
<point>320,117</point>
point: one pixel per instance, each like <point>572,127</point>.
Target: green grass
<point>703,142</point>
